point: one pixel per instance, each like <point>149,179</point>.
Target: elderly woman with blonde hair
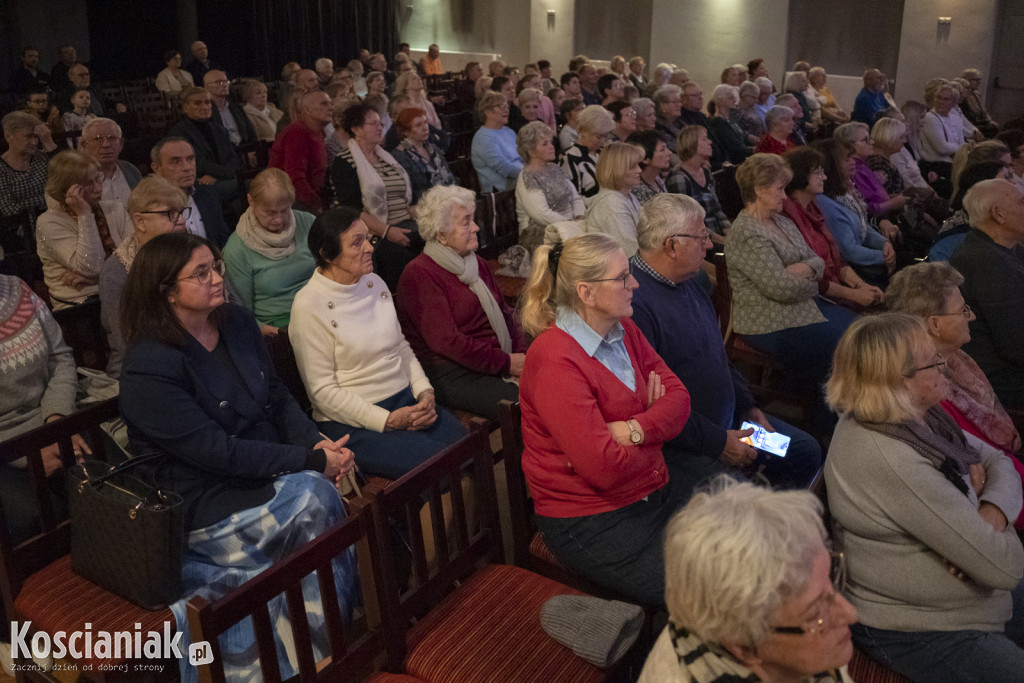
<point>467,338</point>
<point>782,619</point>
<point>693,178</point>
<point>922,512</point>
<point>594,125</point>
<point>942,132</point>
<point>267,257</point>
<point>262,114</point>
<point>614,211</point>
<point>411,85</point>
<point>543,194</point>
<point>79,231</point>
<point>494,145</point>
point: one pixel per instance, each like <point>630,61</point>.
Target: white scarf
<point>466,268</point>
<point>371,185</point>
<point>265,114</point>
<point>273,245</point>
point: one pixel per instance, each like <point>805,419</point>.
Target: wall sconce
<point>551,19</point>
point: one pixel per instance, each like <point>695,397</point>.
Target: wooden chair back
<point>728,192</point>
<point>353,648</point>
<point>83,331</point>
<point>19,561</point>
<point>520,505</point>
<point>475,536</point>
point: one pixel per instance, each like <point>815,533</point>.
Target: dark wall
<point>128,38</point>
<point>846,35</point>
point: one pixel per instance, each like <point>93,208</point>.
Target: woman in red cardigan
<point>597,403</point>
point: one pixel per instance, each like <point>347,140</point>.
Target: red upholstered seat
<point>393,678</point>
<point>489,630</point>
<point>540,550</point>
<point>863,669</point>
<point>57,599</point>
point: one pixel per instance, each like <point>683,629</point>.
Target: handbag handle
<point>117,469</point>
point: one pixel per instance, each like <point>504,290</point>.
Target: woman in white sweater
<point>921,511</point>
<point>360,373</point>
<point>942,132</point>
<point>614,211</point>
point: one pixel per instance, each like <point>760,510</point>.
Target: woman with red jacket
<point>597,403</point>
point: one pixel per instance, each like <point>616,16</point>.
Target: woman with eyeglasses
<point>922,511</point>
<point>693,178</point>
<point>781,618</point>
<point>198,387</point>
<point>494,155</point>
<point>267,258</point>
<point>593,448</point>
<point>156,207</point>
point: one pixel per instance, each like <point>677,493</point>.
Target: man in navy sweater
<point>673,310</point>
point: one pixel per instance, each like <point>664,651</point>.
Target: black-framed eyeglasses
<point>624,278</point>
<point>204,274</point>
<point>937,364</point>
<point>965,312</point>
<point>706,235</point>
<point>173,214</point>
<point>823,621</point>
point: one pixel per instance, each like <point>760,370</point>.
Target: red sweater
<point>572,464</point>
<point>770,145</point>
<point>301,152</point>
<point>443,320</point>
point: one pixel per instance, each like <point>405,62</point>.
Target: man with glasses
<point>173,159</point>
<point>27,76</point>
<point>229,114</point>
<point>673,310</point>
<point>102,140</point>
<point>81,79</point>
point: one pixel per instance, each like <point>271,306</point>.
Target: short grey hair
<point>848,131</point>
<point>323,61</point>
<point>725,91</point>
<point>794,79</point>
<point>749,87</point>
<point>776,113</point>
<point>786,100</point>
<point>529,95</point>
<point>764,82</point>
<point>99,121</point>
<point>922,289</point>
<point>528,137</point>
<point>735,554</point>
<point>985,196</point>
<point>18,121</point>
<point>436,206</point>
<point>642,106</point>
<point>662,94</point>
<point>154,153</point>
<point>663,215</point>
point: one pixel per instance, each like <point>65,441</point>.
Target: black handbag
<point>126,536</point>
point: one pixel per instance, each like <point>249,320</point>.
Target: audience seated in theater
<point>725,625</point>
<point>200,63</point>
<point>67,56</point>
<point>977,152</point>
<point>898,172</point>
<point>646,117</point>
<point>614,211</point>
<point>23,167</point>
<point>431,62</point>
<point>731,76</point>
<point>528,101</point>
<point>360,373</point>
<point>342,86</point>
<point>103,141</point>
<point>830,109</point>
<point>79,114</point>
<point>494,145</point>
<point>796,85</point>
<point>359,83</point>
<point>924,509</point>
<point>962,88</point>
<point>216,160</point>
<point>579,162</point>
<point>324,68</point>
<point>79,230</point>
<point>679,77</point>
<point>839,282</point>
<point>779,124</point>
<point>798,136</point>
<point>173,159</point>
<point>609,88</point>
<point>991,260</point>
<point>588,84</point>
<point>765,96</point>
<point>746,116</point>
<point>593,458</point>
<point>229,114</point>
<point>371,181</point>
<point>27,77</point>
<point>1013,138</point>
<point>467,338</point>
<point>262,114</point>
<point>871,98</point>
<point>955,228</point>
<point>668,103</point>
<point>625,120</point>
<point>300,150</point>
<point>673,310</point>
<point>37,103</point>
<point>570,110</point>
<point>465,94</point>
<point>173,79</point>
<point>423,161</point>
<point>879,202</point>
<point>774,277</point>
<point>636,73</point>
<point>692,177</point>
<point>942,132</point>
<point>507,88</point>
<point>931,291</point>
<point>545,110</point>
<point>543,194</point>
<point>289,73</point>
<point>691,115</point>
<point>156,207</point>
<point>866,249</point>
<point>727,135</point>
<point>379,63</point>
<point>973,107</point>
<point>337,140</point>
<point>659,78</point>
<point>617,66</point>
<point>411,84</point>
<point>267,257</point>
<point>571,84</point>
<point>656,162</point>
<point>80,79</point>
<point>199,386</point>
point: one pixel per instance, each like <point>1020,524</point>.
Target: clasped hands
<point>414,417</point>
<point>340,460</point>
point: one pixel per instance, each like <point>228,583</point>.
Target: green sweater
<point>267,287</point>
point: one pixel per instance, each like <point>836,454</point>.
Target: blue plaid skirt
<point>225,555</point>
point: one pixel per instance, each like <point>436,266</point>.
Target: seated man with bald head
<point>991,259</point>
<point>201,62</point>
<point>673,310</point>
<point>102,140</point>
<point>216,160</point>
<point>229,114</point>
<point>301,151</point>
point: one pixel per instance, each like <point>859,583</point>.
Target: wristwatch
<point>635,435</point>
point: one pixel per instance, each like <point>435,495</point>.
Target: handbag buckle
<point>134,512</point>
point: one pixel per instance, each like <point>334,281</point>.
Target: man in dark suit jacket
<point>28,77</point>
<point>216,160</point>
<point>227,113</point>
<point>201,62</point>
<point>174,159</point>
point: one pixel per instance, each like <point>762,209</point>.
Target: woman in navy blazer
<point>198,385</point>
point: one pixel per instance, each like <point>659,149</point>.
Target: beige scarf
<point>273,245</point>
